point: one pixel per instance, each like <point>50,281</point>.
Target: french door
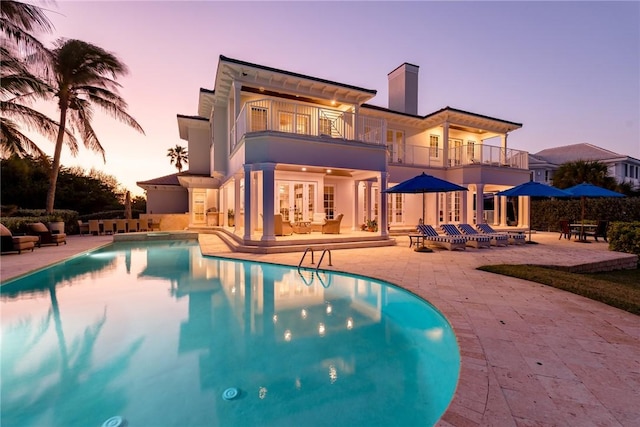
<point>296,200</point>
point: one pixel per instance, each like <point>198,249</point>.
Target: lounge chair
<point>11,243</point>
<point>46,236</point>
<point>83,227</point>
<point>332,226</point>
<point>477,242</point>
<point>448,242</point>
<point>513,238</point>
<point>497,239</point>
<point>281,227</point>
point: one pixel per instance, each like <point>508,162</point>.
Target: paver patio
<point>531,355</point>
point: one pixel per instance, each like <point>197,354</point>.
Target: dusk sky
<point>568,71</point>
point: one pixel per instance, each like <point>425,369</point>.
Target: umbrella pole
<point>529,219</point>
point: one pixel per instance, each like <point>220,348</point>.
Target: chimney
<point>403,89</point>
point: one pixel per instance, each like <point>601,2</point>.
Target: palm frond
<point>13,141</point>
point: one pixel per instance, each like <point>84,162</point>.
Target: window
<point>294,123</point>
<point>471,149</point>
<point>324,126</point>
<point>258,119</point>
<point>329,201</point>
<point>395,145</point>
<point>433,146</point>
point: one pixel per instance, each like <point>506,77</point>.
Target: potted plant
<point>372,225</point>
<point>56,225</point>
<point>231,217</point>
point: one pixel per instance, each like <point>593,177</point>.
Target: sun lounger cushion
<point>449,242</point>
<point>496,238</point>
<point>473,241</point>
<point>513,238</point>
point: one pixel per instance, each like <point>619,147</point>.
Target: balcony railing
<point>420,155</point>
<point>302,119</point>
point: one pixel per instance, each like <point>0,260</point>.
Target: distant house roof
<point>163,180</point>
<point>575,152</point>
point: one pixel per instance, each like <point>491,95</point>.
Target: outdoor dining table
<point>582,228</point>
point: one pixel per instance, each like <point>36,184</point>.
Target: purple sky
<point>569,71</point>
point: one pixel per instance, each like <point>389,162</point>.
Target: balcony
<point>302,119</point>
<point>472,154</point>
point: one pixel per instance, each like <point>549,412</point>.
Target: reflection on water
<point>157,333</point>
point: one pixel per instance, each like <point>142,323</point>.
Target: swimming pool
<point>161,336</point>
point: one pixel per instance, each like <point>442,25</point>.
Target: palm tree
<point>21,53</point>
<point>574,173</point>
<point>178,155</point>
<point>85,76</point>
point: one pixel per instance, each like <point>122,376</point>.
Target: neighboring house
<point>269,141</point>
<point>622,167</point>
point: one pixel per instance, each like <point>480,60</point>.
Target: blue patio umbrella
<point>585,190</point>
<point>533,189</point>
<point>424,183</point>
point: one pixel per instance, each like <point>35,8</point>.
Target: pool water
<point>159,335</point>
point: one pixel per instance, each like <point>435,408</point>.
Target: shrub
<point>625,237</point>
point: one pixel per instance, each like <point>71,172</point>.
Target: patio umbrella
<point>424,183</point>
<point>585,190</point>
<point>533,189</point>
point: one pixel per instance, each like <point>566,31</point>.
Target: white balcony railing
<point>420,155</point>
<point>302,119</point>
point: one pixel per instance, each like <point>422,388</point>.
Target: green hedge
<point>625,237</point>
<point>546,214</point>
<point>20,218</point>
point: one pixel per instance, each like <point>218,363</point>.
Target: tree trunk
<point>55,167</point>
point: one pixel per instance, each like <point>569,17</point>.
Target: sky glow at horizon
<point>568,71</point>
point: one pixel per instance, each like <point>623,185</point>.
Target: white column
<point>191,212</point>
<point>464,205</point>
<point>383,221</point>
<point>248,207</point>
<point>503,149</point>
<point>503,210</point>
<point>236,200</point>
<point>268,200</point>
<point>356,210</point>
<point>496,209</point>
<point>445,144</point>
<point>367,208</point>
<point>479,203</point>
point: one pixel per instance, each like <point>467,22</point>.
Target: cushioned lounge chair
<point>448,242</point>
<point>121,225</point>
<point>496,239</point>
<point>132,225</point>
<point>512,238</point>
<point>281,227</point>
<point>11,243</point>
<point>46,236</point>
<point>477,242</point>
<point>109,226</point>
<point>332,226</point>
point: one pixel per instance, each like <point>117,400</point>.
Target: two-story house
<point>623,168</point>
<point>268,141</point>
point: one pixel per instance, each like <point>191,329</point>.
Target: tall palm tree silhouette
<point>179,156</point>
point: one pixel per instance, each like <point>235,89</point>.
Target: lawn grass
<point>620,289</point>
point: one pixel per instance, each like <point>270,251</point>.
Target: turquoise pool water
<point>161,336</point>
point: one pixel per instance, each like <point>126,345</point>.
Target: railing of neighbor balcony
<point>420,155</point>
<point>302,119</point>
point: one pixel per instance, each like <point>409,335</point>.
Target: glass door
<point>296,200</point>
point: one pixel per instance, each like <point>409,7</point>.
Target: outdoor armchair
<point>83,227</point>
<point>318,220</point>
<point>281,227</point>
<point>11,243</point>
<point>46,236</point>
<point>332,226</point>
<point>600,231</point>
